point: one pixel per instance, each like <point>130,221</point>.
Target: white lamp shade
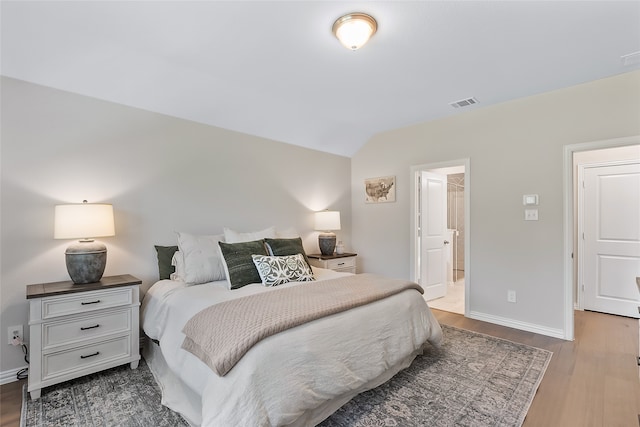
<point>83,220</point>
<point>327,220</point>
<point>354,30</point>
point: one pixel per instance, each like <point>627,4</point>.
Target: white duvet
<point>297,377</point>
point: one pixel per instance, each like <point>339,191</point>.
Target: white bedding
<point>297,377</point>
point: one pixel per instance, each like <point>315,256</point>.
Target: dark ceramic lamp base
<point>327,243</point>
<point>86,261</point>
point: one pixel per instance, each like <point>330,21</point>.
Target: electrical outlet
<point>14,331</point>
<point>511,296</point>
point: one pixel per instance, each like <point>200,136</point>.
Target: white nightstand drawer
<point>87,327</point>
<point>78,359</point>
<point>345,263</point>
<point>85,301</point>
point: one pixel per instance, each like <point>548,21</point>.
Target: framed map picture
<point>380,190</point>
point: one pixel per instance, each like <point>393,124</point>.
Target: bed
<point>297,377</point>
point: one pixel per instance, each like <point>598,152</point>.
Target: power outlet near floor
<point>14,332</point>
<point>511,296</point>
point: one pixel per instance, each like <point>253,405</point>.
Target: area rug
<point>471,380</point>
<point>119,396</point>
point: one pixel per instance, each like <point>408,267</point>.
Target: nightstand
<point>344,262</point>
<point>76,330</point>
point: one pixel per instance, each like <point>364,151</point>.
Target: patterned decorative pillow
<point>238,263</point>
<point>281,247</point>
<point>276,270</point>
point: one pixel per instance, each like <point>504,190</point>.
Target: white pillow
<point>178,262</point>
<point>287,233</point>
<point>232,236</point>
<point>276,270</point>
<point>202,261</point>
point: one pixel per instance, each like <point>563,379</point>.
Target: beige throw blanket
<point>221,334</point>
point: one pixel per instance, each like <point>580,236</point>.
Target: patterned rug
<point>121,397</point>
<point>472,380</point>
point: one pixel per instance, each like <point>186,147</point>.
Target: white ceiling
<point>274,69</point>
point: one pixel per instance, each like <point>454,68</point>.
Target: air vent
<point>463,102</point>
<point>630,59</point>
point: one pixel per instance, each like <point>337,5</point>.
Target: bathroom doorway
<point>455,243</point>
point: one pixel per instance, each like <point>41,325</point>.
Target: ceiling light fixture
<point>354,29</point>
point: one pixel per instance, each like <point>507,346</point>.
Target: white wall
<point>514,148</point>
<point>161,174</point>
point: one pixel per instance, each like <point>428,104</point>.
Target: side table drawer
<point>346,263</point>
<point>87,327</point>
<point>85,302</point>
<point>78,359</point>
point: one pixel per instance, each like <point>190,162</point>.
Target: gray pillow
<point>284,247</point>
<point>239,264</point>
<point>165,253</point>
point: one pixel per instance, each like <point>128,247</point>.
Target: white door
<point>611,234</point>
<point>433,227</point>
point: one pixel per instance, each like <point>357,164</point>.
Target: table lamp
<point>326,221</point>
<point>86,259</point>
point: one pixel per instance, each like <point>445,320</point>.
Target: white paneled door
<point>611,238</point>
<point>433,225</point>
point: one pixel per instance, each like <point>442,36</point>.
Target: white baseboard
<point>10,376</point>
<point>524,326</point>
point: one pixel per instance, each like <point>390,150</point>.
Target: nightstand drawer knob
<point>90,302</point>
<point>84,328</point>
<point>89,355</point>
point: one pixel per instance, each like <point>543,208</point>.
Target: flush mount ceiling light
<point>354,29</point>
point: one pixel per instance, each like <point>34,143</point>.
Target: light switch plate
<point>530,200</point>
<point>531,214</point>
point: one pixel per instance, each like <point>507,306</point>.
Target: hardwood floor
<point>11,403</point>
<point>590,382</point>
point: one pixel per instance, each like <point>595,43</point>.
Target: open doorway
<point>607,203</point>
<point>440,234</point>
<point>572,288</point>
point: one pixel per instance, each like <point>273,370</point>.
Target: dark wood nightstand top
<point>334,256</point>
<point>40,290</point>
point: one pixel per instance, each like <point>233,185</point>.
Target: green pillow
<point>239,264</point>
<point>165,254</point>
<point>285,247</point>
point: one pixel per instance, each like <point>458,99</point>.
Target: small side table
<point>344,262</point>
<point>76,330</point>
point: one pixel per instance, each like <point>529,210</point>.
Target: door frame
<point>415,171</point>
<point>570,219</point>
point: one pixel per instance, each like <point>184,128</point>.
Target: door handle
<point>446,242</point>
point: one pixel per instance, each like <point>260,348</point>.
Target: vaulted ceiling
<point>275,70</point>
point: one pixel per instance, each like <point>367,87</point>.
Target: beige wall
<point>161,174</point>
<point>514,148</point>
